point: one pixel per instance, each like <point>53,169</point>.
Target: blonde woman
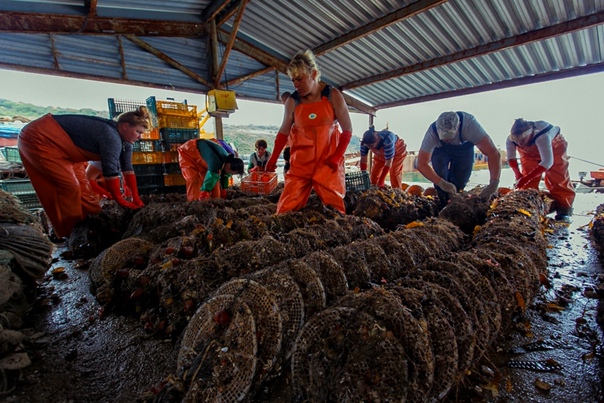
<point>323,131</point>
<point>54,150</point>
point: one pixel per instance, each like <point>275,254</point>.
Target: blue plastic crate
<point>29,200</point>
<point>11,154</point>
<point>17,186</point>
<point>119,106</point>
<point>357,181</point>
<point>148,169</point>
<point>178,135</point>
<point>148,145</point>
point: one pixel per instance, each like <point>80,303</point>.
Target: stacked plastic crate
<point>20,187</point>
<point>178,123</point>
<point>147,154</point>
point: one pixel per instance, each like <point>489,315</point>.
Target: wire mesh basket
<point>218,352</point>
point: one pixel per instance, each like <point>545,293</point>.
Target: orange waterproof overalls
<point>396,170</point>
<point>57,170</point>
<point>194,170</point>
<point>557,178</point>
<point>315,138</point>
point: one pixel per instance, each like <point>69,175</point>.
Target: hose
<point>589,162</point>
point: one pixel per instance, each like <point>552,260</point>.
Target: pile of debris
<point>25,255</point>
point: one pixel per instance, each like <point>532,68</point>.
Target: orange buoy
<point>415,190</point>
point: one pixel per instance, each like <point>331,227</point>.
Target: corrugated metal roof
<point>383,52</point>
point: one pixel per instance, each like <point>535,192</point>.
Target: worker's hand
<point>113,184</point>
<point>204,195</point>
<point>488,191</point>
<point>333,161</point>
<point>130,180</point>
<point>522,182</point>
<point>363,166</point>
<point>447,187</point>
<point>254,169</point>
<point>223,193</point>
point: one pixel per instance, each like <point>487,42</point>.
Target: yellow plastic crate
<point>175,108</point>
<point>142,157</point>
<point>171,121</point>
<point>175,179</point>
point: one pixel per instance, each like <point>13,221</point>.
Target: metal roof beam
<point>213,9</point>
<point>392,18</point>
<point>229,45</point>
<point>523,39</point>
<point>167,59</point>
<point>271,61</point>
<point>537,78</point>
<point>91,7</point>
<point>18,22</point>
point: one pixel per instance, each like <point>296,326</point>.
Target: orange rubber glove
<point>130,180</point>
<point>514,165</point>
<point>280,142</point>
<point>382,178</point>
<point>204,195</point>
<point>522,183</point>
<point>333,161</point>
<point>114,187</point>
<point>98,189</point>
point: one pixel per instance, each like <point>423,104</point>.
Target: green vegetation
<point>12,109</point>
<point>243,137</point>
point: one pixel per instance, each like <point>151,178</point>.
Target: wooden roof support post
<point>213,60</point>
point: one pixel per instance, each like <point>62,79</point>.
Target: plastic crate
<point>148,145</point>
<point>357,181</point>
<point>29,200</point>
<point>11,154</point>
<point>152,134</point>
<point>17,186</point>
<point>148,169</point>
<point>160,107</point>
<point>170,157</point>
<point>259,182</point>
<point>172,168</point>
<point>171,121</point>
<point>178,135</point>
<point>174,180</point>
<point>141,157</point>
<point>147,181</point>
<point>119,106</point>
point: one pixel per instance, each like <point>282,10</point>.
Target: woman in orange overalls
<point>542,149</point>
<point>54,150</point>
<point>317,145</point>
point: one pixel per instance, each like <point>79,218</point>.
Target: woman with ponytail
<point>55,150</point>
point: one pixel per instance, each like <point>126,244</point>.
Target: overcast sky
<point>574,104</point>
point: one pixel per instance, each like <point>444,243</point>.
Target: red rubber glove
<point>204,195</point>
<point>514,165</point>
<point>280,142</point>
<point>363,166</point>
<point>522,183</point>
<point>130,180</point>
<point>223,193</point>
<point>382,178</point>
<point>254,169</point>
<point>98,189</point>
<point>333,161</point>
<point>114,187</point>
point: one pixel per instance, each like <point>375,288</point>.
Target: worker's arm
<point>487,147</point>
<point>424,167</point>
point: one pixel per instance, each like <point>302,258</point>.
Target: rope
<point>589,162</point>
